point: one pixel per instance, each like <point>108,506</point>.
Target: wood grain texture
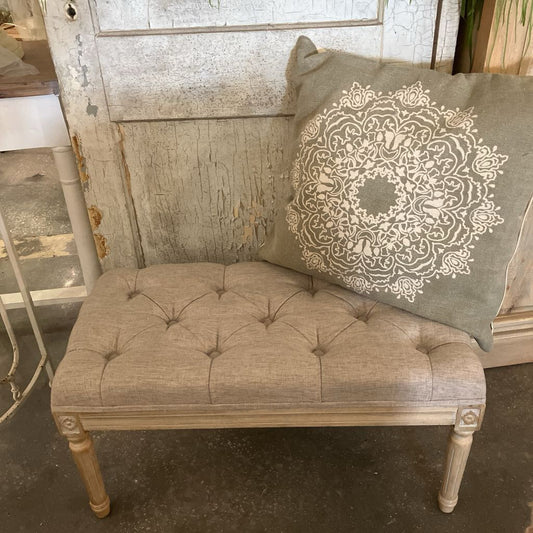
<point>459,445</point>
<point>206,190</point>
<point>198,189</point>
<point>502,45</point>
<point>206,75</point>
<point>233,417</point>
<point>82,448</point>
<point>95,140</point>
<point>84,456</point>
<point>116,15</point>
<point>513,322</point>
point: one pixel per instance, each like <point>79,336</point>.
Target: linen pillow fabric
<point>410,185</point>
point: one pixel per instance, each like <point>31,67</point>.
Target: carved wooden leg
<point>468,420</point>
<point>459,445</point>
<point>82,448</point>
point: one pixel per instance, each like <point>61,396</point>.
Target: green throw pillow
<point>409,185</point>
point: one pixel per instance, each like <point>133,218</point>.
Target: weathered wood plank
<point>503,44</point>
<point>154,77</point>
<point>95,139</point>
<point>206,190</point>
<point>119,15</point>
<point>183,76</point>
<point>446,41</point>
<point>408,31</point>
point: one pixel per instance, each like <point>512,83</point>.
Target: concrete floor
<point>32,202</point>
<point>30,193</point>
<point>260,480</point>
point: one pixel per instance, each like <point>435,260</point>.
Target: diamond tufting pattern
<point>254,334</point>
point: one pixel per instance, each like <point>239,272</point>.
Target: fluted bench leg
<point>82,448</point>
<point>468,420</point>
<point>459,445</point>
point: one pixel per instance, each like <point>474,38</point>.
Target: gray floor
<point>32,203</point>
<point>272,480</point>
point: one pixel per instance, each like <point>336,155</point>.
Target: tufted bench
<point>256,345</point>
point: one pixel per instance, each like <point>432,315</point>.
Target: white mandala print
<point>392,190</point>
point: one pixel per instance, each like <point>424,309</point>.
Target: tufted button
<point>307,341</point>
<point>111,355</point>
<point>220,292</point>
<point>171,322</point>
<point>312,291</point>
<point>266,321</point>
<point>422,349</point>
<point>214,353</point>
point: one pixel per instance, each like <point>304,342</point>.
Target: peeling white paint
<point>202,188</point>
<point>161,14</point>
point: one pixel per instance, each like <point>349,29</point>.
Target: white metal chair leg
<point>18,396</point>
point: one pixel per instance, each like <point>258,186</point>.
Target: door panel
<point>119,15</point>
<point>206,190</point>
<point>154,77</point>
<point>151,89</point>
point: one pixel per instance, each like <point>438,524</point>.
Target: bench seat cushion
<point>251,334</point>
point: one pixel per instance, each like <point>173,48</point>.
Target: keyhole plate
<point>70,11</point>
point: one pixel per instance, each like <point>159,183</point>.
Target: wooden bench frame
<point>465,419</point>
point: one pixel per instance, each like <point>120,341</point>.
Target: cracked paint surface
<point>198,189</point>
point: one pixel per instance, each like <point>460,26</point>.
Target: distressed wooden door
<point>179,115</point>
<point>179,111</point>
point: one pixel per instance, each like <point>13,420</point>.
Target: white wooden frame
<point>19,396</point>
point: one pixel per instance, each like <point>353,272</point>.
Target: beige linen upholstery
<point>253,334</point>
